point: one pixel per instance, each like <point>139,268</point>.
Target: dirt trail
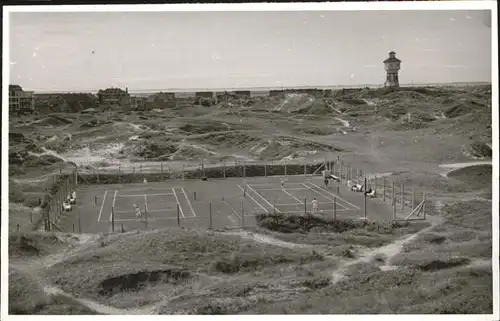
<point>389,251</point>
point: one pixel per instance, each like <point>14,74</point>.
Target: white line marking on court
<point>140,195</point>
<point>295,198</point>
<point>326,196</point>
<point>154,219</point>
<point>232,209</point>
<point>102,205</point>
<point>265,200</point>
<point>113,206</point>
<point>177,199</point>
<point>189,202</point>
<point>278,188</point>
<point>165,210</point>
<point>345,201</point>
<point>253,199</point>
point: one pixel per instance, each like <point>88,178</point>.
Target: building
<point>20,100</point>
<point>113,96</point>
<point>159,100</point>
<point>64,102</point>
<point>392,66</point>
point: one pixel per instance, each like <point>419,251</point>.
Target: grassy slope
<point>225,274</point>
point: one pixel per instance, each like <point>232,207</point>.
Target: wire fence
<point>403,199</point>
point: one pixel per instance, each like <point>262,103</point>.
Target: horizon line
<point>266,88</point>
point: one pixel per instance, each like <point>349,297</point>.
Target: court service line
<point>265,200</point>
<point>113,206</point>
<point>102,205</point>
<point>140,195</point>
<point>295,198</point>
<point>177,199</point>
<point>189,202</point>
<point>232,209</point>
<point>326,196</point>
<point>345,201</point>
<point>253,199</point>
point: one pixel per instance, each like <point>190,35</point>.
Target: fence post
<point>423,205</point>
<point>178,216</point>
<point>413,198</point>
<point>194,195</point>
<point>334,208</point>
<point>76,177</point>
<point>265,169</point>
<point>95,200</point>
<point>242,216</point>
<point>393,202</point>
<point>375,184</point>
<point>202,168</point>
<point>123,230</point>
<point>140,167</point>
<point>351,174</point>
<point>402,196</point>
<point>340,172</point>
<point>17,227</point>
<point>305,206</point>
<point>338,190</point>
<point>113,219</point>
<point>364,199</point>
<point>393,194</point>
<point>161,167</point>
<point>285,170</point>
<point>357,175</point>
<point>383,188</point>
<point>146,216</point>
<point>210,217</point>
<point>224,169</point>
<point>97,175</point>
<point>183,172</point>
<point>31,216</point>
<point>244,170</point>
<point>305,169</point>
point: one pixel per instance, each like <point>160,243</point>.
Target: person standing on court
<point>282,180</point>
<point>315,205</point>
<point>326,182</point>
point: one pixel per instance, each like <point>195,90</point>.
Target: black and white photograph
<point>270,159</point>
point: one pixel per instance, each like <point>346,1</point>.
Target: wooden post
<point>202,168</point>
<point>224,169</point>
<point>305,169</point>
<point>97,175</point>
<point>413,198</point>
<point>31,216</point>
<point>338,190</point>
<point>122,229</point>
<point>210,216</point>
<point>242,215</point>
<point>146,216</point>
<point>351,174</point>
<point>393,202</point>
<point>274,206</point>
<point>340,172</point>
<point>265,169</point>
<point>161,167</point>
<point>423,205</point>
<point>364,199</point>
<point>140,167</point>
<point>285,170</point>
<point>393,194</point>
<point>113,219</point>
<point>194,195</point>
<point>76,177</point>
<point>17,227</point>
<point>95,200</point>
<point>357,175</point>
<point>402,196</point>
<point>335,208</point>
<point>375,184</point>
<point>178,216</point>
<point>244,170</point>
<point>183,175</point>
<point>305,206</point>
<point>383,188</point>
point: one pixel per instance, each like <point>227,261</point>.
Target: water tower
<point>392,66</point>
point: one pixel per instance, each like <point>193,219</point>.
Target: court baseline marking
<point>177,199</point>
<point>102,205</point>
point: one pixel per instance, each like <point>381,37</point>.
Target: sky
<point>71,51</point>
